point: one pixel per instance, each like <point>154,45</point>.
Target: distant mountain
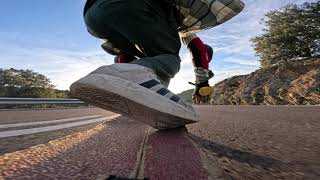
<point>186,95</point>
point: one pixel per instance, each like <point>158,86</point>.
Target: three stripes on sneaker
<point>156,86</point>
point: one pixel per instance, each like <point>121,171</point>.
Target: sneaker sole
<point>129,99</point>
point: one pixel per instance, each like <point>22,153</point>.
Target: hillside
<point>287,83</point>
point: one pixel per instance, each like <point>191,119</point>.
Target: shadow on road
<point>237,155</point>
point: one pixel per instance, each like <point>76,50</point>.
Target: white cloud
<point>66,67</point>
<point>247,62</point>
<point>60,66</point>
<point>180,82</point>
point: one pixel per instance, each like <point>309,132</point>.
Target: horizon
<point>50,38</point>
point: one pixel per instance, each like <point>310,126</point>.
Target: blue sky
<point>49,36</point>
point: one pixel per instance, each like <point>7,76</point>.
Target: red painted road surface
<point>171,155</point>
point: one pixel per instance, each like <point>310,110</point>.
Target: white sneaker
<point>135,91</point>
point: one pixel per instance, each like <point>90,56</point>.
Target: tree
<point>291,32</point>
<point>26,83</point>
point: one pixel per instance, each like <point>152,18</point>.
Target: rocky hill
<point>296,82</point>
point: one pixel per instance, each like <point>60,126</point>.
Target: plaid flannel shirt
<point>198,15</point>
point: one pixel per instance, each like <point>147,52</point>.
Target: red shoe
<point>124,58</point>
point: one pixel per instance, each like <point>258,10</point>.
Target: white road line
<point>47,122</point>
<point>52,128</point>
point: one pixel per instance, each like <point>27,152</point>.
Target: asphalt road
<point>34,115</point>
<point>21,129</point>
<point>261,142</point>
<point>230,142</point>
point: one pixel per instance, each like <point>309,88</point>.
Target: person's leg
<point>201,57</point>
<point>164,65</point>
<point>139,28</point>
<point>201,53</point>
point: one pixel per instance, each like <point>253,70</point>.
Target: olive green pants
<point>142,28</point>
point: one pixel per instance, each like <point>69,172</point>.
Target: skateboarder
<point>145,37</point>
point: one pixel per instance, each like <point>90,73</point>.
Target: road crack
<point>138,171</point>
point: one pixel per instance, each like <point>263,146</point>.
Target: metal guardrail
<point>13,101</point>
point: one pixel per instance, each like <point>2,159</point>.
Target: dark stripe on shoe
<point>150,84</point>
<point>163,91</point>
<point>175,98</point>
